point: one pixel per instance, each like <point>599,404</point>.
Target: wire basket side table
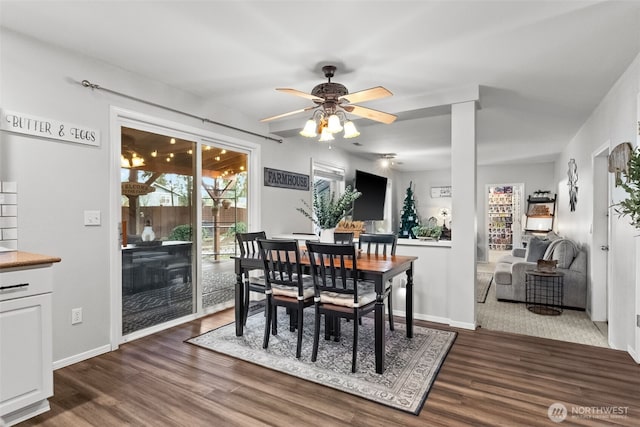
<point>544,292</point>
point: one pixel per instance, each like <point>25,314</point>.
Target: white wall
<point>426,206</point>
<point>282,217</point>
<point>58,181</point>
<point>535,176</point>
<point>614,121</point>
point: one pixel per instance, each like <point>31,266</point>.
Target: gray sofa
<point>509,274</point>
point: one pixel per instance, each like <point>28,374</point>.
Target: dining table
<point>371,267</point>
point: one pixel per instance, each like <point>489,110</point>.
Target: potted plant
<point>631,184</point>
<point>327,211</point>
<point>427,232</point>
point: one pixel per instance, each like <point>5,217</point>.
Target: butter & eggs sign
<point>48,128</point>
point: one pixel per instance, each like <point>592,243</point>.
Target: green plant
<point>631,184</point>
<point>238,227</point>
<point>425,231</point>
<point>181,232</point>
<point>327,211</point>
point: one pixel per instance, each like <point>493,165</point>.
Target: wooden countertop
<point>24,259</point>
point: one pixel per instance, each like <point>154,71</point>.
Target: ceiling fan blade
<point>290,113</point>
<point>299,93</point>
<point>366,95</point>
<point>369,113</point>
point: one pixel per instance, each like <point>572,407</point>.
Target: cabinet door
<point>25,352</point>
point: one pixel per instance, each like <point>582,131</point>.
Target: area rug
<point>572,325</point>
<point>411,364</point>
<point>483,283</point>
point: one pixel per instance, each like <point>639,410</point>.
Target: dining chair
<point>338,292</point>
<point>248,243</point>
<point>343,238</point>
<point>286,286</point>
<point>381,244</point>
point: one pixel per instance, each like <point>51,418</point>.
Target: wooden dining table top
<point>364,261</point>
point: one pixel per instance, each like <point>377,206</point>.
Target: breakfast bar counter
<point>14,259</point>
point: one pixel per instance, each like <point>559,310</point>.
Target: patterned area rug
<point>483,282</point>
<point>411,364</point>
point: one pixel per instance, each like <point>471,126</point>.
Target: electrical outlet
<point>76,315</point>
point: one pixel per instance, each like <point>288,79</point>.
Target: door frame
<point>119,117</point>
<point>599,303</point>
<point>517,219</point>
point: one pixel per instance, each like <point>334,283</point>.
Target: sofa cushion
<point>536,249</point>
<point>502,273</point>
<point>562,250</point>
<point>509,259</point>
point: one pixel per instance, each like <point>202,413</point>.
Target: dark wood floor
<point>488,378</point>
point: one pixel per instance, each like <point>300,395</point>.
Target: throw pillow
<point>548,254</point>
<point>536,249</point>
<point>565,251</point>
<point>552,236</point>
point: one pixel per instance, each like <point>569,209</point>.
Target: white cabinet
<point>26,374</point>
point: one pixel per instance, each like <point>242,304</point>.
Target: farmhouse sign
<point>48,128</point>
<point>284,179</point>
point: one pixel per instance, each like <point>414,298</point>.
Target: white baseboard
<point>81,356</point>
<point>464,325</point>
<point>24,414</point>
<point>438,319</point>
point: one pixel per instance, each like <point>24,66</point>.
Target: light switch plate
<point>92,218</point>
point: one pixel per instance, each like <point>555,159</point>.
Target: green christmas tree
<point>408,216</point>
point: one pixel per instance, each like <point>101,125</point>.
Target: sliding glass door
<point>224,192</point>
<point>182,199</point>
<point>158,219</point>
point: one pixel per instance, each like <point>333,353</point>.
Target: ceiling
<point>541,66</point>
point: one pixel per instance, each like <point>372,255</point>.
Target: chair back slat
<point>248,243</point>
<point>343,238</point>
<point>334,268</point>
<point>378,244</point>
<point>281,263</point>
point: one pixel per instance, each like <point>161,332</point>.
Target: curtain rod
<point>88,84</point>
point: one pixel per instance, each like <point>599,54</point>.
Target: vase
<point>326,235</point>
<point>147,234</point>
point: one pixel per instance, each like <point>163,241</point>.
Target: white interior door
<point>597,304</point>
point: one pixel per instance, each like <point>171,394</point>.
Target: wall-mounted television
<point>369,206</point>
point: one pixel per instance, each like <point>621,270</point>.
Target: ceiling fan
<point>332,102</point>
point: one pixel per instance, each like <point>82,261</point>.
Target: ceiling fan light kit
<point>333,101</point>
<point>325,135</point>
<point>309,129</point>
<point>350,130</point>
